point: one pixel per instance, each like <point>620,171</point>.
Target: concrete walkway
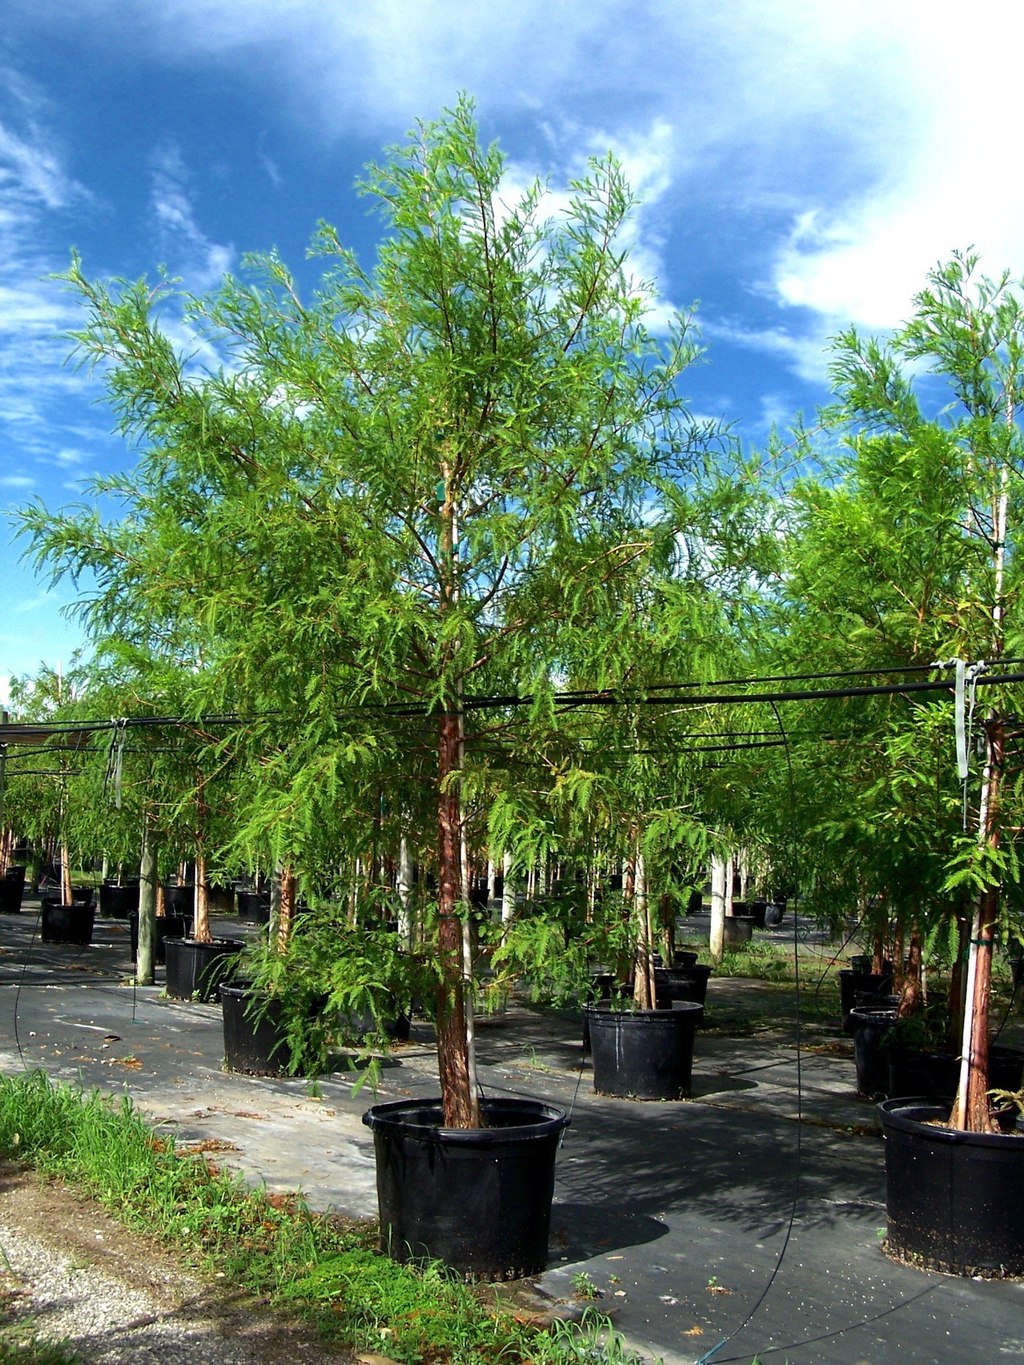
<point>762,1197</point>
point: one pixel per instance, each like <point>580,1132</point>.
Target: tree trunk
<point>405,876</point>
<point>720,873</point>
<point>972,1109</point>
<point>643,966</point>
<point>911,997</point>
<point>285,882</point>
<point>461,1109</point>
<point>201,931</point>
<point>508,889</point>
<point>148,891</point>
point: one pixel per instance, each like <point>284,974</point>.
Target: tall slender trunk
<point>911,996</point>
<point>148,891</point>
<point>201,930</point>
<point>285,882</point>
<point>972,1110</point>
<point>643,978</point>
<point>405,902</point>
<point>721,871</point>
<point>460,1106</point>
<point>508,889</point>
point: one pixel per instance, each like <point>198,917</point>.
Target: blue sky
<point>802,163</point>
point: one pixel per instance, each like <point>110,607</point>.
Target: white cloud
<point>946,178</point>
<point>16,481</point>
<point>34,310</point>
<point>190,251</point>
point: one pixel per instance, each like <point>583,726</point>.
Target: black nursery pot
<point>680,983</point>
<point>255,1041</point>
<point>118,902</point>
<point>643,1054</point>
<point>738,930</point>
<point>254,907</point>
<point>922,1072</point>
<point>66,923</point>
<point>872,1028</point>
<point>954,1200</point>
<point>12,888</point>
<point>853,984</point>
<point>478,1199</point>
<point>196,970</point>
<point>179,900</point>
<point>167,927</point>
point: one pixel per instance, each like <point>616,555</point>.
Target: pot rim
<point>390,1117</point>
<point>680,1007</point>
<point>911,1114</point>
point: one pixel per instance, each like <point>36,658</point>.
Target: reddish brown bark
<point>911,994</point>
<point>461,1109</point>
<point>973,1109</point>
<point>202,933</point>
<point>285,908</point>
<point>977,1109</point>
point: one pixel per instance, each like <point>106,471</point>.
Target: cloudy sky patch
<point>800,166</point>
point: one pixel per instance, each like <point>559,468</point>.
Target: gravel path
<point>71,1271</point>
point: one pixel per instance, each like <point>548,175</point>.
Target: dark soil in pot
<point>643,1054</point>
<point>195,970</point>
<point>954,1200</point>
<point>477,1199</point>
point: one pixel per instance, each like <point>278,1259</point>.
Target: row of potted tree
<point>436,567</point>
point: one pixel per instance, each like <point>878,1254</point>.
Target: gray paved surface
<point>677,1212</point>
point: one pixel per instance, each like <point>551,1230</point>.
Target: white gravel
<point>108,1320</point>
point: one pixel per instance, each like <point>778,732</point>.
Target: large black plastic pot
<point>684,982</point>
<point>738,930</point>
<point>66,923</point>
<point>954,1200</point>
<point>12,888</point>
<point>254,907</point>
<point>179,900</point>
<point>936,1074</point>
<point>118,902</point>
<point>923,1072</point>
<point>853,984</point>
<point>478,1199</point>
<point>167,927</point>
<point>195,970</point>
<point>255,1040</point>
<point>872,1028</point>
<point>643,1054</point>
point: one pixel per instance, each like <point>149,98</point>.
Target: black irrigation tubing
<point>566,700</point>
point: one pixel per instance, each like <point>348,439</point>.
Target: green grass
<point>326,1270</point>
